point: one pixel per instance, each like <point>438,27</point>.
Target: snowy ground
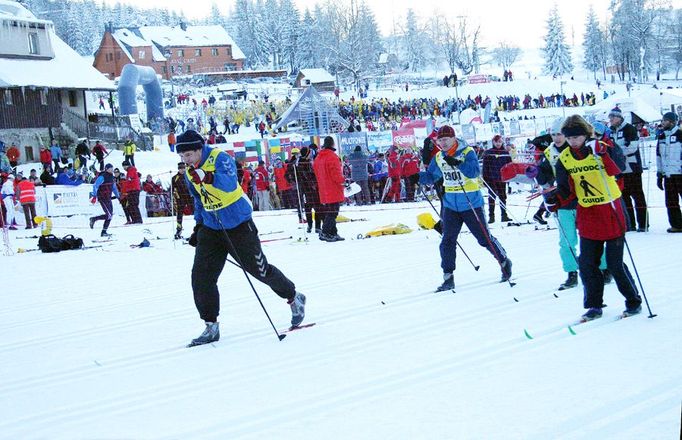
<point>93,341</point>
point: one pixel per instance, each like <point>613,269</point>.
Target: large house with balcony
<point>45,86</point>
<point>171,51</point>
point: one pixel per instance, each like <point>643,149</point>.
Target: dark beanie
<point>305,152</point>
<point>108,166</point>
<point>670,116</point>
<point>616,112</point>
<point>189,140</point>
<point>358,148</point>
<point>329,143</point>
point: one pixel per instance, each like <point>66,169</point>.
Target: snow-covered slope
<point>93,341</point>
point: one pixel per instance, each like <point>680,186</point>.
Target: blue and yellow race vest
<point>212,198</point>
<point>592,185</point>
<point>453,179</point>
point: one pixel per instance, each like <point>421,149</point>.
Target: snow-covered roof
<point>316,76</point>
<point>67,70</point>
<point>17,12</point>
<point>193,36</point>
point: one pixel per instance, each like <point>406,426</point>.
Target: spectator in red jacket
<point>283,187</point>
<point>26,192</point>
<point>131,187</point>
<point>13,155</point>
<point>262,177</point>
<point>409,164</point>
<point>330,182</point>
<point>586,172</point>
<point>45,158</point>
<point>394,173</point>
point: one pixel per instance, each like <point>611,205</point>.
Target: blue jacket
<point>224,178</point>
<point>458,201</point>
<point>358,165</point>
<point>56,152</point>
<point>104,186</point>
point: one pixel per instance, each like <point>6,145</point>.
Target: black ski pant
<point>632,191</point>
<point>108,209</point>
<point>180,206</point>
<point>133,200</point>
<point>331,211</point>
<point>312,203</point>
<point>130,158</point>
<point>243,245</point>
<point>593,278</point>
<point>673,192</point>
<point>452,225</point>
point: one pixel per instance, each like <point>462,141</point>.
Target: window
<point>230,66</point>
<point>141,54</point>
<point>197,52</point>
<point>28,152</point>
<point>43,96</point>
<point>73,99</point>
<point>181,53</point>
<point>189,70</point>
<point>172,69</point>
<point>214,52</point>
<point>8,97</point>
<point>229,51</point>
<point>163,69</point>
<point>33,48</point>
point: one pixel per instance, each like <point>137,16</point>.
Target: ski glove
<point>659,181</point>
<point>199,176</point>
<point>193,238</point>
<point>600,148</point>
<point>93,199</point>
<point>452,161</point>
<point>552,201</point>
<point>532,171</point>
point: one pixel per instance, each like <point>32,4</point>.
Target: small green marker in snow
<point>527,334</point>
<point>570,330</point>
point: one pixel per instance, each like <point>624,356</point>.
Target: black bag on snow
<point>50,243</point>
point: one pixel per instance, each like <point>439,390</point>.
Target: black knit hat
<point>305,152</point>
<point>329,143</point>
<point>671,116</point>
<point>189,140</point>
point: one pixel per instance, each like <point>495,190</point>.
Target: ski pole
<point>204,193</point>
<point>502,204</point>
<point>486,233</point>
<point>456,241</point>
<point>627,246</point>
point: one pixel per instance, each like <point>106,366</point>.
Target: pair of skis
<point>573,326</point>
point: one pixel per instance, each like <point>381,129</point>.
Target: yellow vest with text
<point>212,198</point>
<point>592,185</point>
<point>453,179</point>
<point>552,154</point>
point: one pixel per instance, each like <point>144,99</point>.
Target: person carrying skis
<point>224,227</point>
<point>101,191</point>
<point>586,172</point>
<point>457,165</point>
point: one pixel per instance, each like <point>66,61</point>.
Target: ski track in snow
<point>94,346</point>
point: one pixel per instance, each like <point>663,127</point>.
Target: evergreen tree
<point>557,53</point>
<point>307,42</point>
<point>413,42</point>
<point>593,43</point>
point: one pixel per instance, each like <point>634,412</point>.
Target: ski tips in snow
<point>525,332</point>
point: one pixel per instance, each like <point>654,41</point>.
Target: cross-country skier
<point>224,227</point>
<point>599,217</point>
<point>669,166</point>
<point>182,200</point>
<point>457,165</point>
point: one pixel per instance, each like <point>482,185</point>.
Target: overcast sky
<point>521,22</point>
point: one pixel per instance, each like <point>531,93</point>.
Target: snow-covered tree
<point>557,54</point>
<point>414,44</point>
<point>307,42</point>
<point>593,44</point>
<point>505,54</point>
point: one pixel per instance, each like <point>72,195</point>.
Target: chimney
<point>109,27</point>
<point>183,25</point>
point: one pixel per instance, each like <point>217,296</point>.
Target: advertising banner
<point>379,141</point>
<point>348,141</point>
<point>404,138</point>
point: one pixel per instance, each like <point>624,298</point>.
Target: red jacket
<point>327,167</point>
<point>410,164</point>
<point>27,191</point>
<point>393,164</point>
<point>132,180</point>
<point>280,180</point>
<point>12,154</point>
<point>246,180</point>
<point>45,156</point>
<point>262,179</point>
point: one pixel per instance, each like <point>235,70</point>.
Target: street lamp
<point>563,98</point>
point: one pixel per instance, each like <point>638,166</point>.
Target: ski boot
<point>592,314</point>
<point>297,305</point>
<point>448,283</point>
<point>105,234</point>
<point>309,230</point>
<point>506,270</point>
<point>92,222</point>
<point>491,219</point>
<point>570,282</point>
<point>504,218</point>
<point>538,218</point>
<point>178,234</point>
<point>631,311</point>
<point>210,334</point>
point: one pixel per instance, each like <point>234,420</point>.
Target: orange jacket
<point>27,191</point>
